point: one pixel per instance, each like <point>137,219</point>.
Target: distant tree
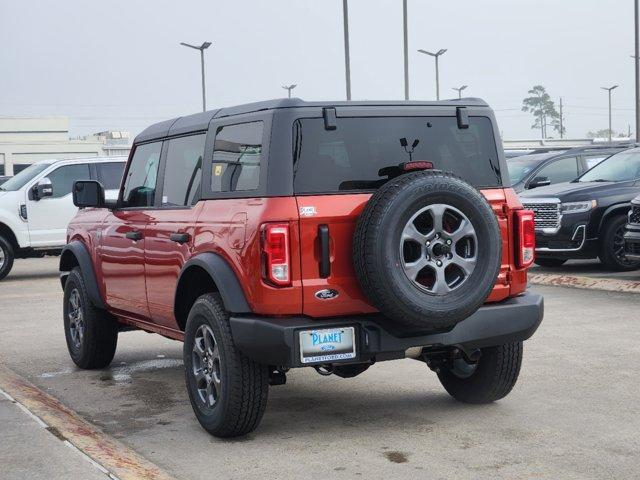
<point>543,109</point>
<point>555,123</point>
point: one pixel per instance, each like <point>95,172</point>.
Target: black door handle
<point>134,235</point>
<point>325,260</point>
<point>179,237</point>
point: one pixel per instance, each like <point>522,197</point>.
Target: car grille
<point>634,217</point>
<point>547,215</point>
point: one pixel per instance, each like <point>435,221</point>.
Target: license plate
<point>327,345</point>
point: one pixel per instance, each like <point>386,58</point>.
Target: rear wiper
<point>600,180</point>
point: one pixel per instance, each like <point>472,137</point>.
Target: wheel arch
<point>613,210</point>
<point>7,232</point>
<point>206,273</point>
<point>75,254</point>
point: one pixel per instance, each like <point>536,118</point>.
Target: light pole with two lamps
<point>288,88</point>
<point>202,48</point>
<point>609,90</point>
<point>459,90</point>
<point>436,56</point>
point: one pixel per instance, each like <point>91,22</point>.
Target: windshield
<point>620,167</point>
<point>519,170</point>
<point>520,167</point>
<point>22,178</point>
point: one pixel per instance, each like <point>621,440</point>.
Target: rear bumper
<point>274,341</point>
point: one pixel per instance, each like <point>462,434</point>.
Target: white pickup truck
<point>36,205</point>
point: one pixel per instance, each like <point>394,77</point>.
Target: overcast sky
<point>118,64</point>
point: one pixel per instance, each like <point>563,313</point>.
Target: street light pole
<point>406,49</point>
<point>288,88</point>
<point>436,56</point>
<point>347,61</point>
<point>202,48</point>
<point>459,90</point>
<point>609,90</point>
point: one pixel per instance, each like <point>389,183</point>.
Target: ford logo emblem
<point>326,294</point>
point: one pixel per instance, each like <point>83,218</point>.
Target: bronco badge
<point>326,294</point>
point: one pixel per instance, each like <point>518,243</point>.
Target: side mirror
<point>88,193</point>
<point>539,182</point>
<point>42,189</point>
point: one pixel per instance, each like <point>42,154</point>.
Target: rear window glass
<point>350,157</point>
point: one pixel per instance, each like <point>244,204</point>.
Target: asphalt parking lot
<point>573,414</point>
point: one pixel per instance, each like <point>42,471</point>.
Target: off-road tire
<point>550,262</point>
<point>9,256</point>
<point>244,383</point>
<point>494,377</point>
<point>607,254</point>
<point>377,257</point>
<point>100,329</point>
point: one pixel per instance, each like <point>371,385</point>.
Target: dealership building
<point>25,140</point>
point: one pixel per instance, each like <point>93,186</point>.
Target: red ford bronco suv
<point>287,234</point>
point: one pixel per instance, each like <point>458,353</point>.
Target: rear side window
<point>183,172</point>
<point>351,156</point>
<point>140,184</point>
<point>110,174</point>
<point>236,157</point>
<point>62,178</point>
<point>594,160</point>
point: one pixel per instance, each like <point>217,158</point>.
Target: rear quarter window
<point>350,157</point>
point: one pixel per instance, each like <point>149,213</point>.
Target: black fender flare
<point>609,211</point>
<point>81,254</point>
<point>224,278</point>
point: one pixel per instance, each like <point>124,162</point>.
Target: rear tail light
<point>417,165</point>
<point>526,238</point>
<point>275,254</point>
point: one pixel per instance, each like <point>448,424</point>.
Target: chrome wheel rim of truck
<point>206,366</point>
<point>438,248</point>
<point>76,318</point>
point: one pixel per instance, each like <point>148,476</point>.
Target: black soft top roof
<point>200,121</point>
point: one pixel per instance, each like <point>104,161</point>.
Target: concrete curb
<point>587,283</point>
<point>112,457</point>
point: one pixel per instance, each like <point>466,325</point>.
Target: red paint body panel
<point>340,213</point>
<point>120,262</point>
<point>164,259</point>
<point>231,228</point>
<point>138,279</point>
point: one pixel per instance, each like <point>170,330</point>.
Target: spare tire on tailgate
<point>427,250</point>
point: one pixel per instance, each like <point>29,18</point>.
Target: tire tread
<point>248,392</point>
<point>495,377</point>
<point>101,329</point>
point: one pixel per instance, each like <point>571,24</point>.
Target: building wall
<point>27,140</point>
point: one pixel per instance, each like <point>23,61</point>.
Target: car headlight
<point>578,207</point>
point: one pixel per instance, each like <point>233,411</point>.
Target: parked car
<point>36,205</point>
<point>540,169</point>
<point>512,153</point>
<point>632,237</point>
<point>291,234</point>
<point>586,218</point>
<point>4,178</point>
